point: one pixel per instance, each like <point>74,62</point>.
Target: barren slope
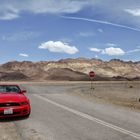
<point>71,69</point>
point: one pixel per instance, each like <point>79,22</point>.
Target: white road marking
<point>91,118</point>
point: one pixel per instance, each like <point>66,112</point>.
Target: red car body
<point>13,102</point>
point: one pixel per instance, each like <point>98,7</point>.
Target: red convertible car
<point>13,102</point>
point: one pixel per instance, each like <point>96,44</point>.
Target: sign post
<point>91,75</point>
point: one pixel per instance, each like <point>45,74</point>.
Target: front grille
<point>9,104</point>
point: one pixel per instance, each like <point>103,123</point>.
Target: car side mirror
<point>23,91</point>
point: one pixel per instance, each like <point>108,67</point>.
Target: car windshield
<point>9,88</point>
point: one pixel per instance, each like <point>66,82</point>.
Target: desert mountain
<point>70,69</point>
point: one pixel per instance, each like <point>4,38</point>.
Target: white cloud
<point>113,51</point>
<point>134,12</point>
<point>23,55</point>
<point>133,51</point>
<point>9,16</point>
<point>58,47</point>
<point>64,6</point>
<point>109,51</point>
<point>8,12</point>
<point>12,9</point>
<point>95,49</point>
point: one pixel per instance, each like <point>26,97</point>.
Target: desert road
<point>59,115</point>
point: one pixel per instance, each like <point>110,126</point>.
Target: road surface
<point>59,115</point>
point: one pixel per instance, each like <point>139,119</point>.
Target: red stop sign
<point>91,74</point>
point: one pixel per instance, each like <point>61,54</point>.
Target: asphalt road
<point>59,115</point>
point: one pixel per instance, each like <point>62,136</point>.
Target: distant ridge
<point>70,69</point>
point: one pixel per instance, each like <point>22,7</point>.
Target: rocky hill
<point>70,69</point>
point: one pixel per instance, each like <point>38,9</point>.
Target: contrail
<point>102,22</point>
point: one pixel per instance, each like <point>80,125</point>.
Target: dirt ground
<point>120,93</point>
<point>8,131</point>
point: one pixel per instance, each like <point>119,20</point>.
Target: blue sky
<point>45,30</point>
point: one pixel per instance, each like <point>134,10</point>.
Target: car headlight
<point>24,103</point>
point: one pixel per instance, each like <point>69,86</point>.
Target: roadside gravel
<point>8,131</point>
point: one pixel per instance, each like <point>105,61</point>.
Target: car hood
<point>12,97</point>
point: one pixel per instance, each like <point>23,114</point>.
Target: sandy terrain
<point>8,131</point>
<point>119,93</point>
